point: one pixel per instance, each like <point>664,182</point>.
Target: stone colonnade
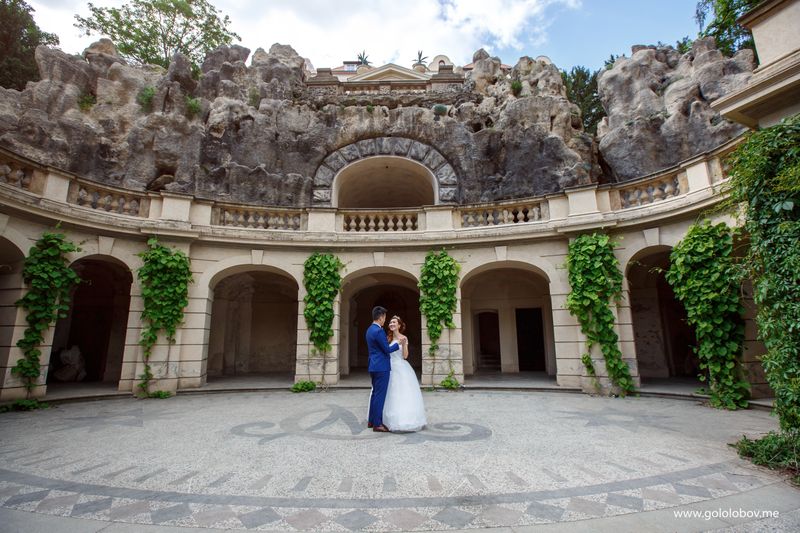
<point>521,244</point>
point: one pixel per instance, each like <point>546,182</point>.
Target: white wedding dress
<point>404,409</point>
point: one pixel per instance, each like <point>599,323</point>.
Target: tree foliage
<point>19,37</point>
<point>152,31</point>
<point>581,84</point>
<point>722,25</point>
<point>765,179</point>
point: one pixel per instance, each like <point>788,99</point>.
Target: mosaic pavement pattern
<point>277,461</point>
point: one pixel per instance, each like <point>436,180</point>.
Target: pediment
<point>390,72</point>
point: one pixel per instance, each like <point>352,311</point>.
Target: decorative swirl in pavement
<point>293,426</point>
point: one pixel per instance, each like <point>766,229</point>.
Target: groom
<point>379,367</point>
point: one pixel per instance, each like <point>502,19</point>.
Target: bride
<point>404,409</point>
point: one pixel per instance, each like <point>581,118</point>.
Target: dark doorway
<point>662,334</point>
<point>488,341</point>
<point>530,339</point>
<point>96,325</point>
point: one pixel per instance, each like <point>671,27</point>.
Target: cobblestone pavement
<point>282,461</point>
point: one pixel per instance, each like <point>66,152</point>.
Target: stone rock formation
<point>657,102</point>
<point>258,134</point>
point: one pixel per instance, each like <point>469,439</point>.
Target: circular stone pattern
<point>280,461</point>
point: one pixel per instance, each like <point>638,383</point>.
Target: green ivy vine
<point>706,280</point>
<point>596,282</point>
<point>165,276</point>
<point>765,180</point>
<point>50,279</point>
<point>323,282</point>
<point>437,299</point>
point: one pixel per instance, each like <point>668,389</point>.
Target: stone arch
<point>392,287</point>
<point>466,275</point>
<point>507,319</point>
<point>237,264</point>
<point>355,185</point>
<point>445,176</point>
<point>253,326</point>
<point>662,337</point>
<point>97,322</point>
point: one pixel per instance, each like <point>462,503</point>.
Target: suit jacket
<point>379,349</point>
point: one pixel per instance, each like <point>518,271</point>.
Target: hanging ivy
<point>596,282</point>
<point>322,282</point>
<point>50,280</point>
<point>765,180</point>
<point>706,280</point>
<point>165,276</point>
<point>437,299</point>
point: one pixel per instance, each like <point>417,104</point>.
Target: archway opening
<point>399,295</point>
<point>507,324</point>
<point>253,327</point>
<point>661,332</point>
<point>11,263</point>
<point>384,182</point>
<point>88,344</point>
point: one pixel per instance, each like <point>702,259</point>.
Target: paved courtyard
<point>282,461</point>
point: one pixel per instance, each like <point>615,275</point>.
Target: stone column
<point>12,329</point>
<point>467,337</point>
<point>449,356</point>
<point>753,347</point>
<point>567,337</point>
<point>624,326</point>
<point>312,365</point>
<point>132,351</point>
<point>193,368</point>
<point>509,358</point>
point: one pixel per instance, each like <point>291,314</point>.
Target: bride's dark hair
<point>401,327</point>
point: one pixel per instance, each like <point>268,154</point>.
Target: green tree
<point>722,25</point>
<point>19,37</point>
<point>581,84</point>
<point>152,31</point>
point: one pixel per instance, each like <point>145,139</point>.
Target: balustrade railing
<point>504,214</point>
<point>258,218</point>
<point>650,191</point>
<point>15,174</point>
<point>376,221</point>
<point>103,198</point>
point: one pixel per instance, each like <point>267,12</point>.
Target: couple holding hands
<point>396,400</point>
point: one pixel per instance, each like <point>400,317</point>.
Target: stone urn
<point>420,67</point>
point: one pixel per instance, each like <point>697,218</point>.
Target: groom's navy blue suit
<point>379,368</point>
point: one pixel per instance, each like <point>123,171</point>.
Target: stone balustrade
<point>694,182</point>
<point>258,218</point>
<point>16,174</point>
<point>495,215</point>
<point>109,199</point>
<point>378,221</point>
<point>649,191</point>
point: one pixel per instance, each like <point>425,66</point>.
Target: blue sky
<point>570,32</point>
<point>590,34</point>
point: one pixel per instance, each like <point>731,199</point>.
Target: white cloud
<point>330,32</point>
